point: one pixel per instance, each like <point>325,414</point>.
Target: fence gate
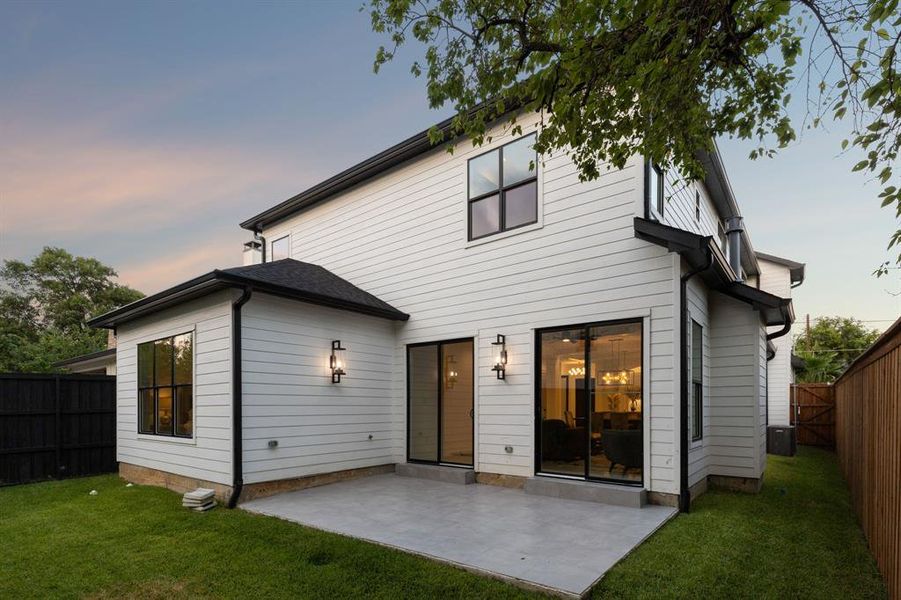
<point>56,426</point>
<point>813,414</point>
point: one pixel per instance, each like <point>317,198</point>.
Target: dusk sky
<point>142,133</point>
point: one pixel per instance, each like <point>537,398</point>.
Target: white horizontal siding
<point>776,279</point>
<point>402,237</point>
<point>679,210</point>
<point>208,455</point>
<point>288,396</point>
<point>736,409</point>
<point>698,310</point>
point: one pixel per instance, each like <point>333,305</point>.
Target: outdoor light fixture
<point>451,373</point>
<point>500,357</point>
<point>337,362</point>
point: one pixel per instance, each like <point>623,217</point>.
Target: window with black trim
<point>280,248</point>
<point>697,206</point>
<point>655,191</point>
<point>503,189</point>
<point>165,386</point>
<point>697,381</point>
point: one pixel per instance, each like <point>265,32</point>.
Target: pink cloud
<point>182,263</point>
<point>91,188</point>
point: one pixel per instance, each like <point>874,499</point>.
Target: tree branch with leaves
<point>660,78</point>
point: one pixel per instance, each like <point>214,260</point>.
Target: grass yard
<point>799,538</point>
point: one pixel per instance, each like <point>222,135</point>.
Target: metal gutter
<point>217,280</point>
<point>237,397</point>
<point>387,159</point>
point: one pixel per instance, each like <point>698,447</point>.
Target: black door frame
<point>439,345</point>
<point>585,327</point>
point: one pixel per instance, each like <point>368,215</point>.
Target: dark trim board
<point>439,345</point>
<point>537,403</point>
<point>286,278</point>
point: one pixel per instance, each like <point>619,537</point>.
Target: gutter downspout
<point>777,334</point>
<point>237,412</point>
<point>684,493</point>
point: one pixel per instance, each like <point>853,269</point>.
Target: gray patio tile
<point>560,544</point>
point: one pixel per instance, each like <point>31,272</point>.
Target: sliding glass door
<point>440,402</point>
<point>589,401</point>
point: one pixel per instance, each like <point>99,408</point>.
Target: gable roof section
<point>796,269</point>
<point>701,252</point>
<point>287,278</point>
<point>411,147</point>
<point>716,181</point>
<point>91,357</point>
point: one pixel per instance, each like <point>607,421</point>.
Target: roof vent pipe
<point>734,228</point>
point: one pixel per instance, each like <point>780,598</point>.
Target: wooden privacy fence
<point>813,414</point>
<point>868,443</point>
<point>56,426</point>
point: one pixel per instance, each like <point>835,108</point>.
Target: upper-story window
<point>503,189</point>
<point>724,241</point>
<point>166,386</point>
<point>280,248</point>
<point>655,192</point>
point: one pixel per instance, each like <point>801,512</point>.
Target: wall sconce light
<point>337,362</point>
<point>500,357</point>
<point>451,372</point>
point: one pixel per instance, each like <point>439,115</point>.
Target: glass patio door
<point>440,402</point>
<point>589,401</point>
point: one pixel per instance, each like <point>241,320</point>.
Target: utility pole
<point>808,331</point>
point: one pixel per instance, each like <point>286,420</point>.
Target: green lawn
<point>798,538</point>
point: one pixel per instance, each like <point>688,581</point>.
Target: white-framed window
<point>166,386</point>
<point>724,240</point>
<point>697,381</point>
<point>655,200</point>
<point>502,189</point>
<point>280,248</point>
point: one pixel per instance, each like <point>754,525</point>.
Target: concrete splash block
<point>436,473</point>
<point>587,491</point>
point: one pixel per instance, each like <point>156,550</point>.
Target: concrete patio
<point>552,544</point>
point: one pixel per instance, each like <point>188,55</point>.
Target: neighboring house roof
<point>287,278</point>
<point>716,181</point>
<point>92,360</point>
<point>796,269</point>
<point>701,252</point>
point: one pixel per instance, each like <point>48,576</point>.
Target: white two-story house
<point>481,314</point>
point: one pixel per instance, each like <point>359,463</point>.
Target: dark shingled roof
<point>287,278</point>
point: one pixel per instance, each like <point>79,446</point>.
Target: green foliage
<point>44,305</point>
<point>830,346</point>
<point>57,541</point>
<point>820,366</point>
<point>616,78</point>
<point>797,538</point>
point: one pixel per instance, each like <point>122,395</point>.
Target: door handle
<point>472,413</point>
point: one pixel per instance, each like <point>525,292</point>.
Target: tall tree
<point>44,306</point>
<point>661,78</point>
<point>830,345</point>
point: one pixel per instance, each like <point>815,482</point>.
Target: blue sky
<point>142,133</point>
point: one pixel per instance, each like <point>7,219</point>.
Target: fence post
<point>59,441</point>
